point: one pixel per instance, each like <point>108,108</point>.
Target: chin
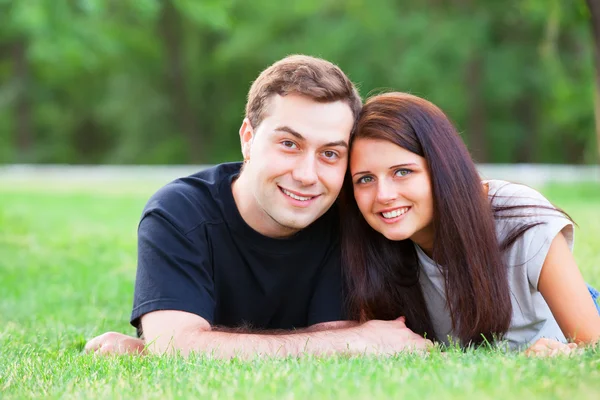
<point>294,223</point>
<point>396,236</point>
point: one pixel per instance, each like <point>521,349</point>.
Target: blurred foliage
<point>150,81</point>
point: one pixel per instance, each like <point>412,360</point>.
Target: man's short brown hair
<point>315,78</point>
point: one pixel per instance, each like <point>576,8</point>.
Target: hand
<point>550,348</point>
<point>389,337</point>
<point>115,343</point>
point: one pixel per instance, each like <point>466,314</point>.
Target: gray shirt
<point>531,319</point>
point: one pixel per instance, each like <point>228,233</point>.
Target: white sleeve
<point>535,243</point>
<point>540,238</point>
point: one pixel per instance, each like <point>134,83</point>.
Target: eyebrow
<point>392,167</point>
<point>341,143</point>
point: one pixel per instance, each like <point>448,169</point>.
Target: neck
<point>424,240</point>
<point>253,214</point>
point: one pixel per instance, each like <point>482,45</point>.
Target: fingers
<point>550,348</point>
<point>96,343</point>
<point>114,343</point>
<point>417,345</point>
<point>92,345</point>
<point>553,344</point>
<point>412,341</point>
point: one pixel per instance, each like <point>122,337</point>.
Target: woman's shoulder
<point>515,205</point>
<point>504,193</point>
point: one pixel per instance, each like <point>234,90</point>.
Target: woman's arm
<point>567,295</point>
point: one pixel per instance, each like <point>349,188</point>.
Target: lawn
<point>67,267</point>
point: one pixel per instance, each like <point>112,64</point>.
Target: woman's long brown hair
<point>382,276</point>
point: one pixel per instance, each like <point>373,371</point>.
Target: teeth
<point>396,213</point>
<point>293,196</point>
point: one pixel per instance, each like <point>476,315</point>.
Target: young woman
<point>465,261</point>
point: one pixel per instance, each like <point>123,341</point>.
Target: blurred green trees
<point>150,81</point>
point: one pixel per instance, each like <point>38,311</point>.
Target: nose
<point>305,171</point>
<point>385,192</point>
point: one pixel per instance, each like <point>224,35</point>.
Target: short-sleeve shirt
<point>197,254</point>
<point>532,318</point>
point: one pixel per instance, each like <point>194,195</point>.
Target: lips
<point>394,212</point>
<point>303,197</point>
<point>393,215</point>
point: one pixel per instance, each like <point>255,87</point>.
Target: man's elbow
<point>172,336</point>
<point>179,342</point>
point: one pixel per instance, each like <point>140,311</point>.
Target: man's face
<point>296,161</point>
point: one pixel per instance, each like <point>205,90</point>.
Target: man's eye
<point>365,179</point>
<point>330,154</point>
<point>289,144</point>
<point>403,172</point>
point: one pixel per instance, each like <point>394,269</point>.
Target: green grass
<point>67,267</point>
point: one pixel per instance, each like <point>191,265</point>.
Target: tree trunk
<point>22,105</point>
<point>594,6</point>
<point>473,80</point>
<point>171,32</point>
<point>525,113</point>
<point>476,113</point>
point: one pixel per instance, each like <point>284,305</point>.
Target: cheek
<point>275,163</point>
<point>332,176</point>
<point>363,200</point>
<point>425,200</point>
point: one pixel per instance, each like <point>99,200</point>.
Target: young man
<point>241,249</point>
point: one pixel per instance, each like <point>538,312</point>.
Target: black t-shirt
<point>196,254</point>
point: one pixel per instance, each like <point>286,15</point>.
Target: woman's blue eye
<point>403,172</point>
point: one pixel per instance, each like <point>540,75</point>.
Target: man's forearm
<point>192,334</point>
<point>247,345</point>
<point>373,337</point>
<point>322,326</point>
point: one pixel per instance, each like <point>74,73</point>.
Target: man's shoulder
<point>192,200</point>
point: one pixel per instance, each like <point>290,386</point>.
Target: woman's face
<point>392,188</point>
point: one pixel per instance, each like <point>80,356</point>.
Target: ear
<point>246,137</point>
